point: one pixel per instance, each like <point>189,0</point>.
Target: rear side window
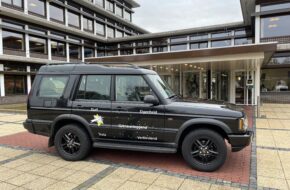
<point>52,86</point>
<point>94,87</point>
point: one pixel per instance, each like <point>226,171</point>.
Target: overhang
<point>262,51</point>
<point>248,8</point>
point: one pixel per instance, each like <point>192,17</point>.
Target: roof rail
<point>64,63</point>
<point>115,64</point>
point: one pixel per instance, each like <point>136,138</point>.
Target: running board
<point>134,147</point>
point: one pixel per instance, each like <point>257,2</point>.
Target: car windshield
<point>162,86</point>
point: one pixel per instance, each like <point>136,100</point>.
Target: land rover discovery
<point>80,106</point>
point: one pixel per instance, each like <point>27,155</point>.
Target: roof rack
<point>115,64</point>
<point>65,63</point>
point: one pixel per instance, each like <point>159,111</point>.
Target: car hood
<point>203,109</point>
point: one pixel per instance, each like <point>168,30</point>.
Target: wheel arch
<point>202,123</point>
<point>66,119</point>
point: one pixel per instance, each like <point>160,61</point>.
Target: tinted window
<point>277,6</point>
<point>52,86</point>
<point>37,45</point>
<point>13,40</point>
<point>88,24</point>
<point>131,88</point>
<point>73,19</point>
<point>36,7</point>
<point>75,51</point>
<point>56,13</point>
<point>179,47</point>
<point>242,41</point>
<point>58,48</point>
<point>275,26</point>
<point>16,3</point>
<point>221,43</point>
<point>100,28</point>
<point>94,87</point>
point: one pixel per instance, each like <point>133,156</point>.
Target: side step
<point>130,147</point>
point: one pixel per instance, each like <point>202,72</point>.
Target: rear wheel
<point>204,150</point>
<point>72,143</point>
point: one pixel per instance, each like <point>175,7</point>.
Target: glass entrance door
<point>191,85</point>
<point>240,87</point>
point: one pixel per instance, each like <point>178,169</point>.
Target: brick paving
<point>27,163</point>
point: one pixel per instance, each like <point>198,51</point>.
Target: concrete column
<point>119,51</point>
<point>28,79</point>
<point>65,15</point>
<point>200,84</point>
<point>96,50</point>
<point>168,46</point>
<point>232,87</point>
<point>257,82</point>
<point>0,3</point>
<point>47,11</point>
<point>150,49</point>
<point>258,26</point>
<point>1,39</point>
<point>27,49</point>
<point>233,39</point>
<point>67,52</point>
<point>82,21</point>
<point>209,41</point>
<point>25,6</point>
<point>188,44</point>
<point>2,83</point>
<point>83,52</point>
<point>134,49</point>
<point>106,31</point>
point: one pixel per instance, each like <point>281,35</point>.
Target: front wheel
<point>72,143</point>
<point>204,150</point>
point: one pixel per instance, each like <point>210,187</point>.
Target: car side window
<point>52,86</point>
<point>131,88</point>
<point>94,87</point>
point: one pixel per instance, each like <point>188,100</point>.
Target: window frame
<point>40,82</point>
<point>87,100</point>
<point>130,102</point>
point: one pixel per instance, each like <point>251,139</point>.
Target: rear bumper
<point>239,142</point>
<point>29,126</point>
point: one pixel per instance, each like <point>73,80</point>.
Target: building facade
<point>236,62</point>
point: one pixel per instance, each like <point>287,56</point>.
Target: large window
<point>56,13</point>
<point>275,26</point>
<point>58,49</point>
<point>13,3</point>
<point>52,86</point>
<point>99,2</point>
<point>111,32</point>
<point>199,37</point>
<point>221,43</point>
<point>282,58</point>
<point>37,45</point>
<point>179,39</point>
<point>243,41</point>
<point>276,80</point>
<point>15,84</point>
<point>89,52</point>
<point>88,24</point>
<point>179,47</point>
<point>276,6</point>
<point>221,34</point>
<point>127,15</point>
<point>75,52</point>
<point>73,19</point>
<point>200,45</point>
<point>36,7</point>
<point>95,87</point>
<point>131,88</point>
<point>100,28</point>
<point>119,11</point>
<point>13,40</point>
<point>109,6</point>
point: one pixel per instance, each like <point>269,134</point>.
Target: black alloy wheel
<point>72,142</point>
<point>204,150</point>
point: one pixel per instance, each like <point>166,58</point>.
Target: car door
<point>92,102</point>
<point>136,120</point>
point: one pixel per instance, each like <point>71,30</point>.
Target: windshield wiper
<point>173,96</point>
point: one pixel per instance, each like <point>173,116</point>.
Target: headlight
<point>243,124</point>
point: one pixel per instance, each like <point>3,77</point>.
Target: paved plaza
<point>27,163</point>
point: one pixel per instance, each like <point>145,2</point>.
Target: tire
<point>204,150</point>
<point>72,143</point>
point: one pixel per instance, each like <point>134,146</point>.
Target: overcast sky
<point>166,15</point>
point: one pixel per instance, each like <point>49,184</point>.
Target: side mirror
<point>149,99</point>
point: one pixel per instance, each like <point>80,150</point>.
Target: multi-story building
<point>235,62</point>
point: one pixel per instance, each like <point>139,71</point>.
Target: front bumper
<point>239,142</point>
<point>28,126</point>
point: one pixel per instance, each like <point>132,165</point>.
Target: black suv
<point>79,106</point>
